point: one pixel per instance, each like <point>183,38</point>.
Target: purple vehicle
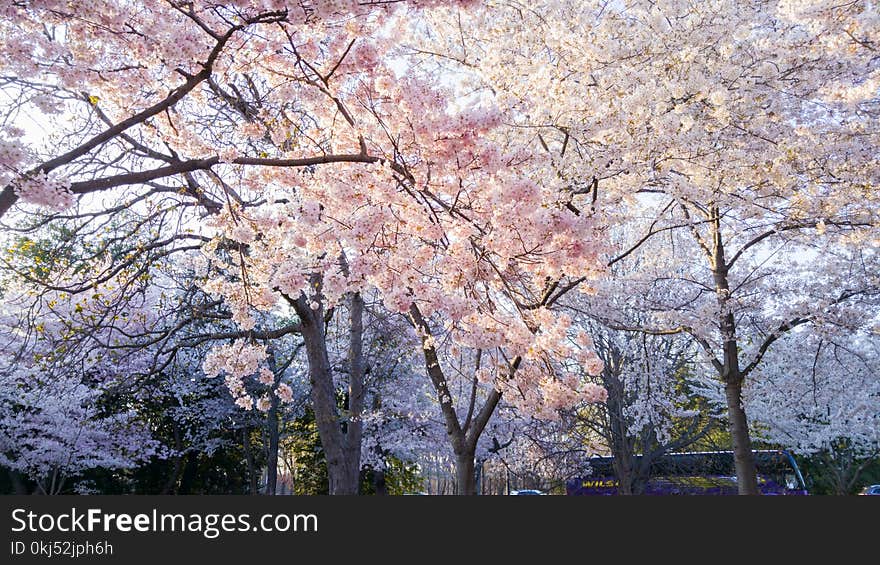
<point>704,473</point>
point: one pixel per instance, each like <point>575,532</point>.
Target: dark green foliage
<point>839,472</point>
<point>304,456</point>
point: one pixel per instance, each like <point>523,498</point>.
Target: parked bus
<point>707,472</point>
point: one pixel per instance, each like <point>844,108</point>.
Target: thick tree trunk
<point>324,404</point>
<point>465,476</point>
<point>273,433</point>
<point>341,480</point>
<point>272,456</point>
<point>744,459</point>
<point>354,428</point>
<point>621,443</point>
<point>342,448</point>
<point>746,474</point>
<point>623,470</point>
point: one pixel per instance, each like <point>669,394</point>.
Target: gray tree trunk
<point>342,447</point>
<point>253,480</point>
<point>730,373</point>
<point>354,429</point>
<point>622,446</point>
<point>465,475</point>
<point>273,432</point>
<point>272,456</point>
<point>744,460</point>
<point>462,437</point>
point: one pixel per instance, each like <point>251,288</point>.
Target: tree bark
<point>354,427</point>
<point>465,476</point>
<point>731,374</point>
<point>272,457</point>
<point>324,399</point>
<point>272,432</point>
<point>249,458</point>
<point>462,437</point>
<point>342,448</point>
<point>622,448</point>
<point>744,459</point>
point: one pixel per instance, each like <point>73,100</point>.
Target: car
<point>871,489</point>
<point>525,492</point>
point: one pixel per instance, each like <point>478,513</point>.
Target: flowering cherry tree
<point>240,107</point>
<point>462,167</point>
<point>124,93</point>
<point>737,138</point>
<point>54,431</point>
<point>652,408</point>
<point>55,373</point>
<point>816,392</point>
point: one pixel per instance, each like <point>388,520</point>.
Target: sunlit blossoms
<point>436,230</point>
